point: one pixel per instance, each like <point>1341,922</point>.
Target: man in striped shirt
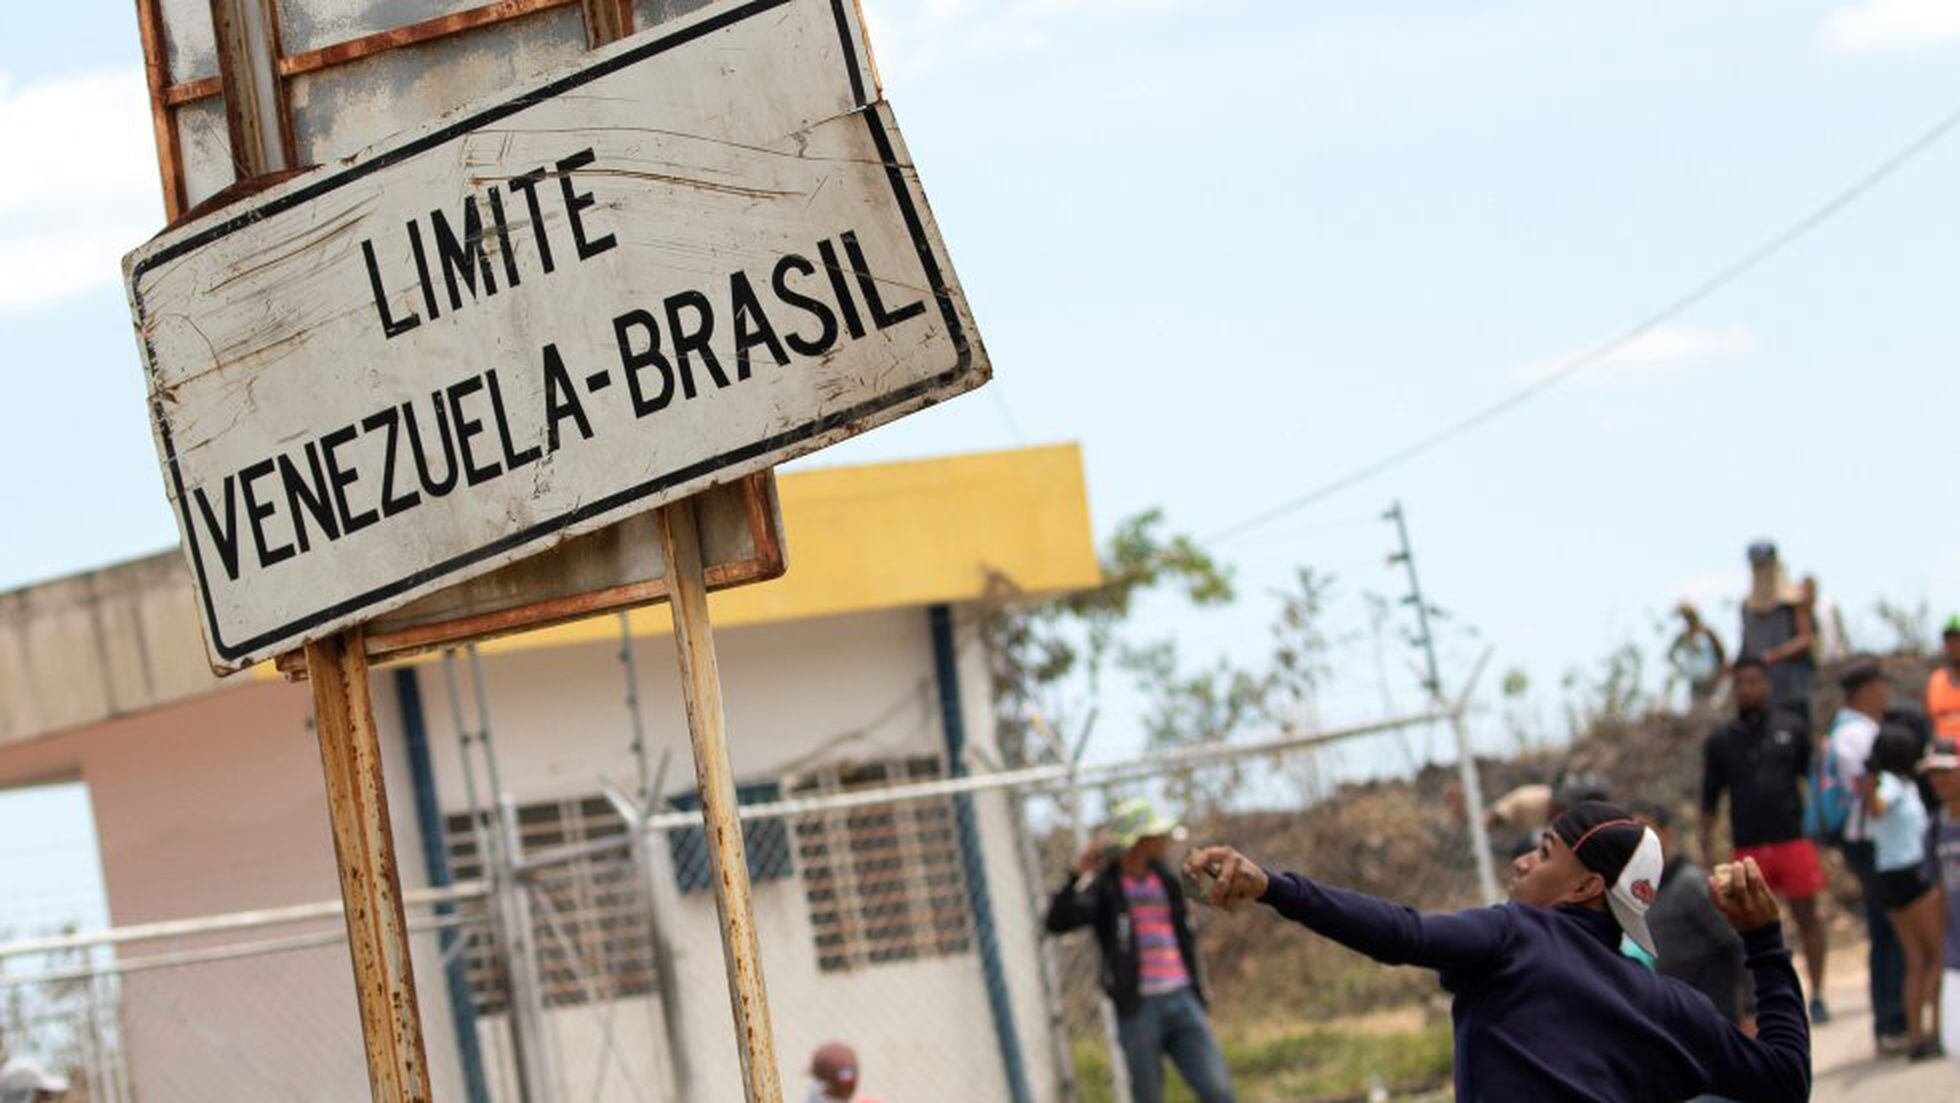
<point>1135,903</point>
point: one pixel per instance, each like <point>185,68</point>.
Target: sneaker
<point>1925,1051</point>
<point>1819,1014</point>
<point>1891,1045</point>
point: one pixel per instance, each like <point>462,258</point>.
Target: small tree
<point>1049,657</point>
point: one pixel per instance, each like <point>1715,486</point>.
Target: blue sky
<point>1238,248</point>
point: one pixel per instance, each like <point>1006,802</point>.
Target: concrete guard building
<point>909,932</point>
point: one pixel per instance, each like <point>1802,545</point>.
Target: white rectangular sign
<point>702,252</point>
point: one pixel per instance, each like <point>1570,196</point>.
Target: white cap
<point>1634,892</point>
<point>20,1078</point>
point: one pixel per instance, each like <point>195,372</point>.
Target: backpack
<point>1828,805</point>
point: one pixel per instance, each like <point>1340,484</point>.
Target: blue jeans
<point>1888,958</point>
<point>1172,1025</point>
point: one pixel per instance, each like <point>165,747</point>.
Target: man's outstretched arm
<point>1390,933</point>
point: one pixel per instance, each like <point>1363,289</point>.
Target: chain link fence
<point>578,956</point>
<point>254,1005</point>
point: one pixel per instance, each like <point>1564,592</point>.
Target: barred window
<point>588,916</point>
<point>884,882</point>
<point>766,841</point>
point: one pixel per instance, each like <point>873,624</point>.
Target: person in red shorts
<point>1760,759</point>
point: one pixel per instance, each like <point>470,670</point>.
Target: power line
<point>1722,277</point>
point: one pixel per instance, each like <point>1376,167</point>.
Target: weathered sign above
<point>699,254</point>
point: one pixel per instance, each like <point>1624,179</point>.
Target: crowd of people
<point>1877,783</point>
<point>1622,968</point>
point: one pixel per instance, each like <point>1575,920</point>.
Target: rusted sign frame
<point>168,94</point>
<point>605,20</point>
<point>386,642</point>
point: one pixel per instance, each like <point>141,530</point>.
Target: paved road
<point>1846,1069</point>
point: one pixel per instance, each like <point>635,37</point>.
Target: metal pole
<point>1466,761</point>
<point>1051,980</point>
<point>680,542</point>
<point>666,978</point>
<point>1070,794</point>
<point>1119,1069</point>
<point>370,883</point>
<point>483,742</point>
<point>435,860</point>
<point>952,720</point>
<point>477,815</point>
<point>509,923</point>
<point>634,718</point>
<point>536,1080</point>
<point>680,1072</point>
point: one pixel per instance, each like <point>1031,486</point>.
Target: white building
<point>908,931</point>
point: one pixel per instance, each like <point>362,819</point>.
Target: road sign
<point>699,253</point>
<point>321,80</point>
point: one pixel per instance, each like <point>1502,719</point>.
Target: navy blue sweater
<point>1546,1008</point>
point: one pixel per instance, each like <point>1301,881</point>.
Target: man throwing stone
<point>1546,1007</point>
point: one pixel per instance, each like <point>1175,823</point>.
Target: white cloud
<point>1873,26</point>
<point>84,190</point>
<point>1666,352</point>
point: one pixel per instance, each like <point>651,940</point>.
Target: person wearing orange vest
<point>1943,688</point>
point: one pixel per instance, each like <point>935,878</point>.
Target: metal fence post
<point>953,723</point>
<point>1119,1070</point>
<point>1051,980</point>
<point>536,1078</point>
<point>667,987</point>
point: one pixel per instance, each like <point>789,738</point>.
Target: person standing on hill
<point>1697,656</point>
<point>1546,1009</point>
<point>1848,750</point>
<point>1777,628</point>
<point>1943,688</point>
<point>1135,903</point>
<point>1760,759</point>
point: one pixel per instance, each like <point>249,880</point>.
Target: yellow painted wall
<point>901,534</point>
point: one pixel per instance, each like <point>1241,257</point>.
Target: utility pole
<point>1473,789</point>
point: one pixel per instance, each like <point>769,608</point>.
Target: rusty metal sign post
<point>350,745</point>
<point>681,545</point>
<point>727,855</point>
<point>726,224</point>
<point>370,882</point>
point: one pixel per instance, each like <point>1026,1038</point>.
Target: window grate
<point>884,883</point>
<point>588,916</point>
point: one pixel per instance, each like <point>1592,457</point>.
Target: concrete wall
<point>100,644</point>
